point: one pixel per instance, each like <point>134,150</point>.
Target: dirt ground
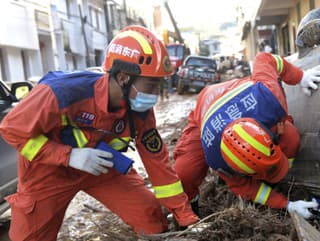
<point>227,217</point>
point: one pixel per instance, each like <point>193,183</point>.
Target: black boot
<point>195,206</point>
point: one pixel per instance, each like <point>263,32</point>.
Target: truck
<point>177,54</point>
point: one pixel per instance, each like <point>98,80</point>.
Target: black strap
<point>125,91</point>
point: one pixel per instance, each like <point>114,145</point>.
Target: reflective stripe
<point>64,120</point>
<point>169,190</point>
<point>80,137</point>
<point>118,144</point>
<point>279,62</point>
<point>140,38</point>
<point>222,100</point>
<point>249,139</point>
<point>235,160</point>
<point>291,160</point>
<point>263,194</point>
<point>78,134</point>
<point>33,146</point>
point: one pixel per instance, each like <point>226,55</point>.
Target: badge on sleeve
<point>152,141</point>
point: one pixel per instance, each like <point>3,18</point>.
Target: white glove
<point>309,79</point>
<point>301,207</point>
<point>90,160</point>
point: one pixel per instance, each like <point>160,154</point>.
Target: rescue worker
<point>242,130</point>
<point>56,127</point>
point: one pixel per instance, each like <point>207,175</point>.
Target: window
<point>175,50</point>
<point>285,38</point>
<point>95,17</point>
<point>98,57</point>
<point>24,63</point>
<point>312,4</point>
<point>68,8</point>
<point>294,37</point>
<point>298,7</point>
<point>201,62</point>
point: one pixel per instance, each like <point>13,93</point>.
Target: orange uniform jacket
<point>268,70</point>
<point>41,128</point>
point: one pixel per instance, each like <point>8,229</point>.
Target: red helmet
<point>249,148</point>
<point>137,51</point>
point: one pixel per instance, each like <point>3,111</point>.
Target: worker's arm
<point>272,68</point>
<point>255,190</point>
<point>27,128</point>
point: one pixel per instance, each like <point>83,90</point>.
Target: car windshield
<point>201,62</point>
<point>175,50</point>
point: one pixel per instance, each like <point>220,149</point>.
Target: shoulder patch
<point>152,141</point>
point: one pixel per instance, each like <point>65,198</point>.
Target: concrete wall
<point>306,114</point>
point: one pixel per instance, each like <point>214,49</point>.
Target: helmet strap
<point>125,90</point>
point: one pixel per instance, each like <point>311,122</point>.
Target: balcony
<point>42,21</point>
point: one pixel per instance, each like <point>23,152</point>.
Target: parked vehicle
<point>197,72</point>
<point>9,96</point>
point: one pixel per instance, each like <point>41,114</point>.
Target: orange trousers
<point>38,215</point>
<point>190,163</point>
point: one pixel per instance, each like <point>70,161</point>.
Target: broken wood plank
<point>305,231</point>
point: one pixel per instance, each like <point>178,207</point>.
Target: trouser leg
<point>190,162</point>
<point>37,220</point>
<point>128,197</point>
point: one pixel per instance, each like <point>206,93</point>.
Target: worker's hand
<point>90,160</point>
<point>310,79</point>
<point>301,207</point>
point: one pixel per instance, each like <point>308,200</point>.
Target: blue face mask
<point>143,101</point>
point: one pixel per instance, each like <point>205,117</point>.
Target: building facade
<point>40,36</point>
<point>275,22</point>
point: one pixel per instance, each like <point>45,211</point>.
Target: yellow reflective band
<point>249,139</point>
<point>80,137</point>
<point>64,120</point>
<point>33,146</point>
<point>235,160</point>
<point>291,160</point>
<point>118,144</point>
<point>263,194</point>
<point>169,190</point>
<point>279,62</point>
<point>222,100</point>
<point>141,40</point>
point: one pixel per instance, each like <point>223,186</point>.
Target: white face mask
<point>143,101</point>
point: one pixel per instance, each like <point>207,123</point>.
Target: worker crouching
<point>57,127</point>
<point>242,130</point>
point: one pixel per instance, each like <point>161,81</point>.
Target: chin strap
<point>125,90</point>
